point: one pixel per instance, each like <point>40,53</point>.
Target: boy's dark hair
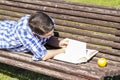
<point>41,23</point>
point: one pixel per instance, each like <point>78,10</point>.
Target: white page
<point>91,53</point>
<point>76,49</point>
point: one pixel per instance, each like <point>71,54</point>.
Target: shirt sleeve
<point>32,43</point>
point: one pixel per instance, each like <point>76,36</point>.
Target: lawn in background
<point>113,3</point>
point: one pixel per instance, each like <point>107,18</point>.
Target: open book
<point>76,52</point>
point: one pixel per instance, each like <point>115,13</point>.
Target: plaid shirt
<point>17,36</point>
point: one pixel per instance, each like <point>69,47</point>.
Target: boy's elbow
<point>43,59</point>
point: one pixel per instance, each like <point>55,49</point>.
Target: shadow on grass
<point>20,74</point>
<point>112,78</point>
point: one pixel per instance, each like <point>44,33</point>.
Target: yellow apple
<point>102,62</point>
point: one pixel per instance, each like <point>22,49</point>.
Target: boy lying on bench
<point>30,34</point>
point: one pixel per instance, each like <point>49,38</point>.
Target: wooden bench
<point>98,26</point>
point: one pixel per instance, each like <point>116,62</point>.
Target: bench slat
<point>92,34</point>
<point>92,40</point>
<point>98,41</point>
<point>58,66</point>
<point>89,27</point>
<point>76,25</point>
<point>50,66</point>
<point>60,11</point>
<point>113,58</point>
<point>96,35</point>
<point>71,12</point>
<point>39,69</point>
<point>115,45</point>
<point>75,6</point>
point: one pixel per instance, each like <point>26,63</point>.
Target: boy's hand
<point>63,43</point>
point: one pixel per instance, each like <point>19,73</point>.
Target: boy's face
<point>51,33</point>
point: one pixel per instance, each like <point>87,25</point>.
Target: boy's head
<point>41,23</point>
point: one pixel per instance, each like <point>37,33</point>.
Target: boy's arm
<point>52,53</point>
<point>54,42</point>
<point>31,43</point>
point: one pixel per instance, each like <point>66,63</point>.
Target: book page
<point>76,49</point>
<point>90,53</point>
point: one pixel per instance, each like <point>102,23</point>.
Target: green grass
<point>13,73</point>
<point>113,3</point>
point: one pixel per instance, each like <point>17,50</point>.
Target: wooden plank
<point>73,11</point>
<point>88,27</point>
<point>81,7</point>
<point>72,30</point>
<point>90,40</point>
<point>64,67</point>
<point>107,31</point>
<point>92,65</point>
<point>88,33</point>
<point>44,8</point>
<point>64,23</point>
<point>85,5</point>
<point>39,69</point>
<point>111,63</point>
<point>51,66</point>
<point>110,57</point>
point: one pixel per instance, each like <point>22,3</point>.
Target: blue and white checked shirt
<point>17,36</point>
